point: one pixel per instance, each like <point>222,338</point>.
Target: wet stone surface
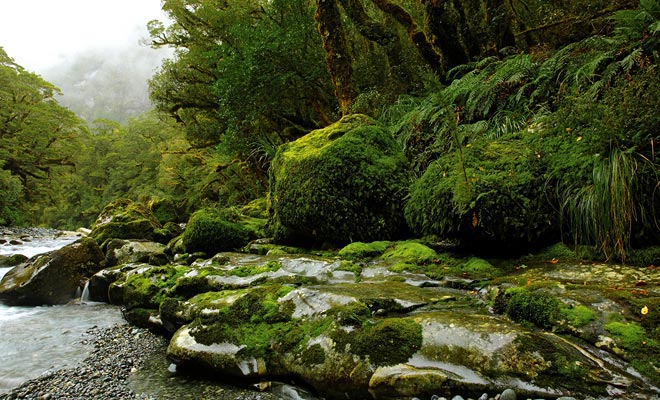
<point>120,352</point>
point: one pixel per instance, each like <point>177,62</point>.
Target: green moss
<point>644,257</point>
<point>257,208</point>
<point>164,210</point>
<point>12,260</point>
<point>632,337</point>
<point>255,319</point>
<point>313,355</point>
<point>339,184</point>
<point>411,252</point>
<point>492,198</point>
<point>537,307</point>
<point>125,219</point>
<point>148,289</point>
<point>477,268</point>
<point>361,251</point>
<point>209,232</point>
<point>386,342</point>
<point>352,314</point>
<point>579,315</point>
<point>168,232</point>
<point>251,270</point>
<point>558,251</point>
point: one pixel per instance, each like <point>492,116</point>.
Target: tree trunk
<point>337,57</point>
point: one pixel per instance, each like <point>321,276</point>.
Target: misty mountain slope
<point>110,84</point>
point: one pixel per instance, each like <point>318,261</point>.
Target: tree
<point>38,137</point>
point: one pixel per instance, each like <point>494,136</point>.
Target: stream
<point>34,340</point>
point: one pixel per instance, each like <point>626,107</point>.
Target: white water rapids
<point>34,340</point>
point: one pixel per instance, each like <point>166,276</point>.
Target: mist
<point>108,83</point>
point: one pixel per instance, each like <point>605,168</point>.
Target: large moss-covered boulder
<point>125,219</point>
<point>211,232</point>
<point>339,184</point>
<point>491,197</point>
<point>52,278</point>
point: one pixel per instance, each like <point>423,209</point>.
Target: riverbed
<point>86,350</point>
<point>39,339</point>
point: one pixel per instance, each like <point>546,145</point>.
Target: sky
<point>40,34</point>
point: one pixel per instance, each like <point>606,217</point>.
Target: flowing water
<point>34,340</point>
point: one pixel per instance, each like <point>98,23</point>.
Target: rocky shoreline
<point>118,352</point>
<point>122,351</point>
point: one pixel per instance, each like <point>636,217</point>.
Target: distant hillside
<point>110,84</point>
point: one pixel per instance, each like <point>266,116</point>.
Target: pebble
<point>104,374</point>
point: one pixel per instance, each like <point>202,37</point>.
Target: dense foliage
<point>522,122</point>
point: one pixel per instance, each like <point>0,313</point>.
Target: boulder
<point>211,232</point>
<point>120,251</point>
<point>492,199</point>
<point>12,261</point>
<point>125,219</point>
<point>342,183</point>
<point>52,278</point>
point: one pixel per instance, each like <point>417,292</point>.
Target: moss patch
<point>210,232</point>
<point>411,252</point>
<point>251,270</point>
<point>476,267</point>
<point>537,307</point>
<point>385,342</point>
<point>362,251</point>
<point>150,288</point>
<point>579,315</point>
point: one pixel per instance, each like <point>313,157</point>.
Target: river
<point>34,340</point>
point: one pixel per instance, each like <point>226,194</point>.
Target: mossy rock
<point>12,260</point>
<point>339,184</point>
<point>411,252</point>
<point>125,219</point>
<point>147,287</point>
<point>164,210</point>
<point>210,232</point>
<point>360,250</point>
<point>52,278</point>
<point>257,208</point>
<point>502,207</point>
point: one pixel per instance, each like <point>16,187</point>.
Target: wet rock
<point>508,394</point>
<point>52,278</point>
<point>12,261</point>
<point>124,219</point>
<point>120,251</point>
<point>254,316</point>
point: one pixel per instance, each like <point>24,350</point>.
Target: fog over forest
<point>107,83</point>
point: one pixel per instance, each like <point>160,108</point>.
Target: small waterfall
<point>84,297</point>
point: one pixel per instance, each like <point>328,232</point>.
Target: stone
<point>12,261</point>
<point>339,184</point>
<point>52,278</point>
<point>125,219</point>
<point>508,394</point>
<point>119,251</point>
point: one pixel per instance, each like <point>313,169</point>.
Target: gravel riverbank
<point>118,353</point>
